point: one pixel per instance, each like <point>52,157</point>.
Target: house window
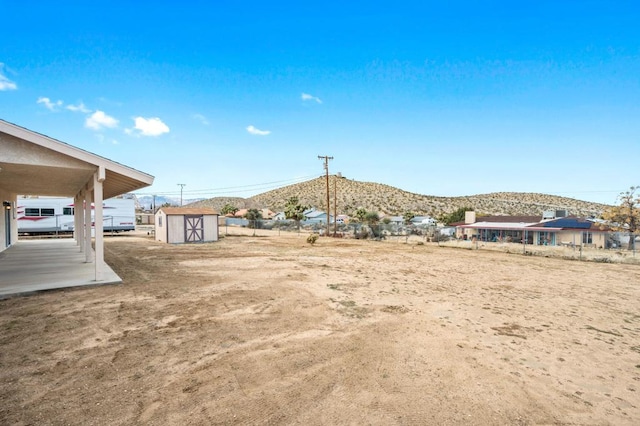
<point>547,238</point>
<point>67,211</point>
<point>160,221</point>
<point>587,238</point>
<point>31,212</point>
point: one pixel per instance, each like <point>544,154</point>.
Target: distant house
<point>144,218</point>
<point>423,220</point>
<point>342,219</point>
<point>176,225</point>
<point>314,216</point>
<point>280,216</point>
<point>239,214</point>
<point>266,213</point>
<point>395,220</point>
<point>550,228</point>
<point>416,220</point>
<point>507,227</point>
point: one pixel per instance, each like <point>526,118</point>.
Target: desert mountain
<point>352,194</point>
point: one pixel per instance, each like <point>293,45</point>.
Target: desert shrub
<point>311,239</point>
<point>361,234</point>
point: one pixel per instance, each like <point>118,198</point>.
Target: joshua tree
<point>456,216</point>
<point>372,218</point>
<point>360,214</point>
<point>408,216</point>
<point>626,216</point>
<point>229,209</point>
<point>253,216</point>
<point>294,210</point>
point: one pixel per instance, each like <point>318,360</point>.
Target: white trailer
<point>47,215</point>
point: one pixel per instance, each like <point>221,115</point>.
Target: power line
<point>255,184</point>
<point>233,189</point>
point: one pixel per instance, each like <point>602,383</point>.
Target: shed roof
<point>186,210</point>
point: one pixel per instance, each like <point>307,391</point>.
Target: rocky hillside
<point>386,199</point>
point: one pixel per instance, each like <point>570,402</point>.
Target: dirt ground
<point>271,330</point>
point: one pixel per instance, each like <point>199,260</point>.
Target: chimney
<point>469,217</point>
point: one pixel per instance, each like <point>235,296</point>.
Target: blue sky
<point>236,98</point>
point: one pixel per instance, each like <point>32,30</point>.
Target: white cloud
<point>52,106</point>
<point>308,97</point>
<point>110,102</point>
<point>5,83</point>
<point>79,108</point>
<point>258,132</point>
<point>99,119</point>
<point>201,118</point>
<point>102,139</point>
<point>148,127</point>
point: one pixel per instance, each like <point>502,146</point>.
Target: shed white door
<point>193,229</point>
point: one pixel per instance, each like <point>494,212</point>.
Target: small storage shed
<point>177,225</point>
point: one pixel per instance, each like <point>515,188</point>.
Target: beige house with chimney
<point>553,228</point>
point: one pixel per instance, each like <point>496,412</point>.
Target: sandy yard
<point>270,330</point>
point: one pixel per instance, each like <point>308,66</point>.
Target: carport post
<point>76,220</point>
<point>99,225</point>
<point>87,226</point>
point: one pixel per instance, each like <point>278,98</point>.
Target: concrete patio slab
<point>36,265</point>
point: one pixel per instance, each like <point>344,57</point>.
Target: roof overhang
<point>35,164</point>
<point>497,225</point>
<point>507,226</point>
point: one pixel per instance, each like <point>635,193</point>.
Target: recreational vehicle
<point>55,215</point>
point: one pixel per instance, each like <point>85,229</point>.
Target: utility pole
<point>181,185</point>
<point>326,168</point>
<point>335,206</point>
